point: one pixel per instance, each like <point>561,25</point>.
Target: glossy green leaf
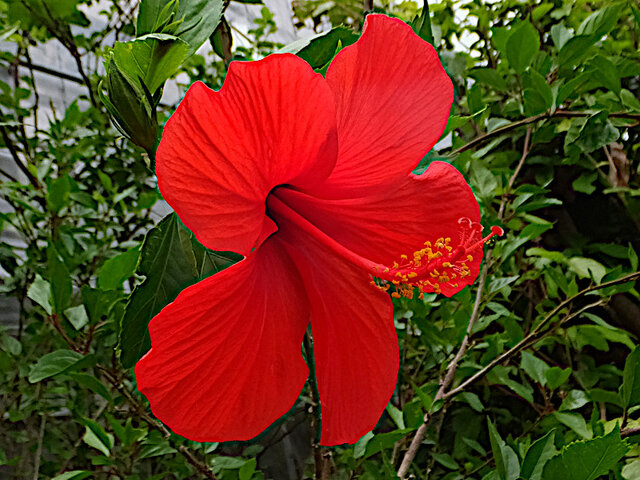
<point>534,367</point>
<point>602,21</point>
<point>630,388</point>
<point>199,19</point>
<point>40,292</point>
<point>60,281</point>
<point>58,193</point>
<point>77,316</point>
<point>587,460</point>
<point>537,456</point>
<point>54,363</point>
<point>490,77</point>
<point>171,259</point>
<point>73,475</point>
<point>506,459</point>
<point>320,49</point>
<point>575,422</point>
<point>152,58</point>
<point>522,45</point>
<point>119,268</point>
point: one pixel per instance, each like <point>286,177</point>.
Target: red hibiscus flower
<point>310,179</point>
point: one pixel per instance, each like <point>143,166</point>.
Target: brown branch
<point>16,158</point>
<point>449,375</point>
<point>321,457</point>
<point>529,120</point>
<point>629,432</point>
<point>475,314</point>
<point>142,413</point>
<point>38,454</point>
<point>537,332</point>
<point>50,71</point>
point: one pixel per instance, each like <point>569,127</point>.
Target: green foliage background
<point>533,373</point>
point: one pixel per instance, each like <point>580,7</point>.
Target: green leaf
<point>490,77</point>
<point>156,449</point>
<point>538,96</point>
<point>601,22</point>
<point>575,422</point>
<point>522,45</point>
<point>587,460</point>
<point>636,14</point>
<point>60,280</point>
<point>151,59</point>
<point>631,471</point>
<point>587,268</point>
<point>226,463</point>
<point>473,400</point>
<point>445,460</point>
<point>247,470</point>
<point>58,193</point>
<point>360,447</point>
<point>40,292</point>
<point>537,456</point>
<point>633,258</point>
<point>560,35</point>
<point>574,399</point>
<point>117,269</point>
<point>541,10</point>
<point>92,383</point>
<point>73,475</point>
<point>96,437</point>
<point>422,24</point>
<point>606,72</point>
<point>77,316</point>
<point>396,416</point>
<point>382,441</point>
<point>500,375</point>
<point>10,344</point>
<point>171,259</point>
<point>199,19</point>
<point>630,388</point>
<point>534,367</point>
<point>318,50</point>
<point>575,50</point>
<point>53,363</point>
<point>506,459</point>
<point>584,183</point>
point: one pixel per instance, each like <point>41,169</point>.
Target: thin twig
<point>450,373</point>
<point>529,120</point>
<point>525,152</point>
<point>322,463</point>
<point>475,314</point>
<point>166,433</point>
<point>36,459</point>
<point>536,332</point>
<point>628,432</point>
<point>16,158</point>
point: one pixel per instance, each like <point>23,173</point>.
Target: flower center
<point>435,265</point>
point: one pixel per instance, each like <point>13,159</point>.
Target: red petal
<point>273,122</point>
<point>398,221</point>
<point>226,357</point>
<point>393,100</point>
<point>354,338</point>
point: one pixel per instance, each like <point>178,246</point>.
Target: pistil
<point>437,265</point>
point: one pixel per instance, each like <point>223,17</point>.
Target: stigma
<point>440,265</point>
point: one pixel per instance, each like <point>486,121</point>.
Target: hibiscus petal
<point>354,338</point>
<point>273,122</point>
<point>226,357</point>
<point>393,100</point>
<point>398,221</point>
